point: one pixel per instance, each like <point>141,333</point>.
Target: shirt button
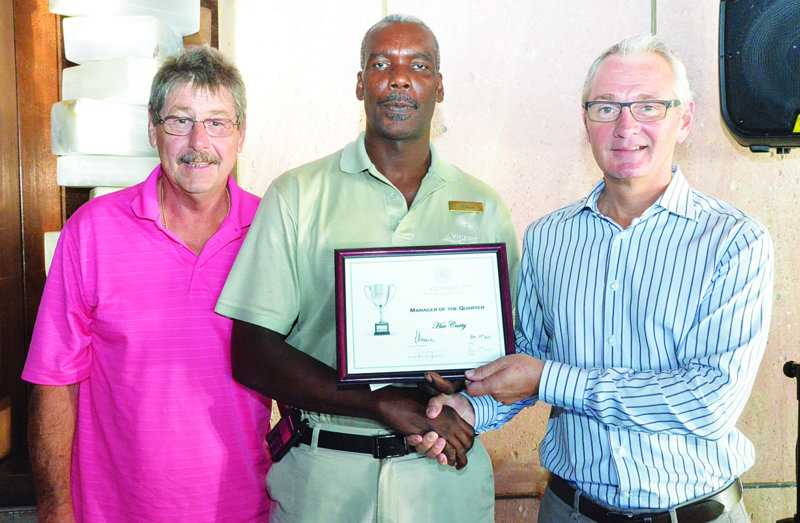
<point>621,453</point>
<point>612,340</point>
<point>624,494</point>
<point>393,195</point>
<point>614,286</point>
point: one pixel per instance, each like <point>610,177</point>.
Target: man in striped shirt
<point>643,312</point>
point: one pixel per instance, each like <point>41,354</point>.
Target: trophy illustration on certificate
<point>380,294</point>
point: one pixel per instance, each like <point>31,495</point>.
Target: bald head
<point>396,19</point>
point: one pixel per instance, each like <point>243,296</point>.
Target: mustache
<point>198,157</point>
<point>399,97</point>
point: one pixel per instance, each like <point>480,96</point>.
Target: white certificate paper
<point>401,312</point>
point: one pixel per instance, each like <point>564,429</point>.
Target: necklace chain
<point>163,207</point>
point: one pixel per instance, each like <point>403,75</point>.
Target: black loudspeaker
<point>759,71</point>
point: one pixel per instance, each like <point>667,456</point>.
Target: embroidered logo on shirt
<point>459,239</point>
<point>465,206</point>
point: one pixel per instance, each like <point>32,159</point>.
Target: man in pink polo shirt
<point>134,413</point>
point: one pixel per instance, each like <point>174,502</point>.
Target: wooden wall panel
<point>38,60</point>
<point>12,310</point>
<point>36,38</point>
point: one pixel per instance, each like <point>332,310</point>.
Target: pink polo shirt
<point>164,433</point>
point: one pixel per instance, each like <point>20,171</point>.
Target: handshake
<point>508,379</point>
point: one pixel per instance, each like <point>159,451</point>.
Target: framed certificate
<point>403,311</point>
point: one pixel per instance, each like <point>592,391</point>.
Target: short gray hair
<point>639,45</point>
<point>397,19</point>
<point>204,68</point>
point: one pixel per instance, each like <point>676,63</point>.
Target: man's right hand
<point>431,444</point>
<point>406,411</point>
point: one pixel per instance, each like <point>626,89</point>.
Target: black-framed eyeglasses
<point>183,125</point>
<point>641,110</point>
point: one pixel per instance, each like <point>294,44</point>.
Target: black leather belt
<point>380,447</point>
<point>702,510</point>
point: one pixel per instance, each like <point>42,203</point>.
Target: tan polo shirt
<point>285,268</point>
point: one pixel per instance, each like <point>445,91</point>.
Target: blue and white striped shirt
<point>652,336</point>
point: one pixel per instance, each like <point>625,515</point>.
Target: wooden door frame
<point>30,199</point>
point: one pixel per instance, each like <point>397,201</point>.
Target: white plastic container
<point>93,38</point>
<point>124,80</point>
<point>182,16</point>
<point>102,191</point>
<point>80,170</point>
<point>86,126</point>
<point>50,242</point>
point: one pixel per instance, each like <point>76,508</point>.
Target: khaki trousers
<point>320,485</point>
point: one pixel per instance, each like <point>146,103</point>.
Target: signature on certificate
<point>420,339</point>
<point>423,354</point>
<point>479,344</point>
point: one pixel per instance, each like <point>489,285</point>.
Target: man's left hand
<point>434,384</point>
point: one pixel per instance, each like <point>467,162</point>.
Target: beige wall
<point>511,115</point>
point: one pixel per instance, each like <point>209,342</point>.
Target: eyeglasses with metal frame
<point>183,126</point>
<point>642,110</point>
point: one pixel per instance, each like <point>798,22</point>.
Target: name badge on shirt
<point>466,206</point>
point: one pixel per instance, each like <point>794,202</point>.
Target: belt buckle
<point>633,518</point>
<point>389,446</point>
<point>629,516</point>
